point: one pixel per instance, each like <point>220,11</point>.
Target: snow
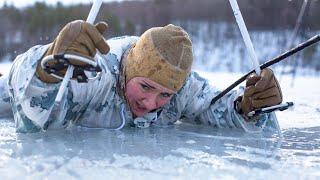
<point>213,42</point>
<point>180,152</point>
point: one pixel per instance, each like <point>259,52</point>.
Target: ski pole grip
<point>91,18</point>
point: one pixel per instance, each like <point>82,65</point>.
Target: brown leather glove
<point>79,38</point>
<point>261,91</point>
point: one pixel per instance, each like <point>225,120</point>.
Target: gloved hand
<point>261,91</point>
<point>78,38</point>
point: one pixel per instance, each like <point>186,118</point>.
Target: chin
<point>139,114</point>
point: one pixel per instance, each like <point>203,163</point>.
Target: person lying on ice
<point>144,81</point>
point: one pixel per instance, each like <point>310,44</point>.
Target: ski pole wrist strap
<point>55,71</point>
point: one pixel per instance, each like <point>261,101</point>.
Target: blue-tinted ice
<point>182,151</point>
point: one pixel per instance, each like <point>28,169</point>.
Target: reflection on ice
<point>182,151</point>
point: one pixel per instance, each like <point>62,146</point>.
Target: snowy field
<point>180,152</point>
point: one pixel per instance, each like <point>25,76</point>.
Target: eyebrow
<point>152,87</point>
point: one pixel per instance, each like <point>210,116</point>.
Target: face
<point>145,95</point>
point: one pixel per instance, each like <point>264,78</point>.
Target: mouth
<point>139,109</point>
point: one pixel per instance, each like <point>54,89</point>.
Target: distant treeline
<point>40,23</point>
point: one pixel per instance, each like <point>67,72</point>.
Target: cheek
<point>133,93</point>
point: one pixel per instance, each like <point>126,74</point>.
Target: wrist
<point>44,76</point>
<point>238,108</point>
<point>237,105</point>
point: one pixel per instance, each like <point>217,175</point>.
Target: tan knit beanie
<point>162,54</point>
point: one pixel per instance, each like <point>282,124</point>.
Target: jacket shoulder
<point>118,45</point>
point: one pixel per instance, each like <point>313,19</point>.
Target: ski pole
<point>279,107</point>
<point>245,35</point>
<point>275,60</point>
<point>91,18</point>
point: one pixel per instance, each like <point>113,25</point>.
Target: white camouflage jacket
<point>97,104</point>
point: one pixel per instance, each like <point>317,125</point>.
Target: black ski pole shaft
<point>275,60</point>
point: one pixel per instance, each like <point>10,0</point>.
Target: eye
<point>145,87</point>
<point>165,95</point>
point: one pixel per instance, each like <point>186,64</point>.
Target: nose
<point>150,102</point>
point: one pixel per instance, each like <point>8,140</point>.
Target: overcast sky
<point>23,3</point>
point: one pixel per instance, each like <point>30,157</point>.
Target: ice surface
<point>180,152</point>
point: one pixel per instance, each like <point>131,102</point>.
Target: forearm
<point>223,114</point>
<point>32,99</point>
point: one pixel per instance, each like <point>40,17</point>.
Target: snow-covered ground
<point>213,42</point>
<point>180,152</point>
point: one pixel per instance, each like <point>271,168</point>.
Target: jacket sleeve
<point>197,95</point>
<point>33,101</point>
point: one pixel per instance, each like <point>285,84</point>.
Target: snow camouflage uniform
<point>97,104</point>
